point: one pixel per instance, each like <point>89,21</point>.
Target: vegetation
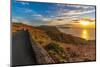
<point>54,47</point>
<point>57,52</point>
<point>49,37</point>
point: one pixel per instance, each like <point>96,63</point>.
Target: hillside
<point>56,35</point>
<point>26,52</point>
<point>60,47</point>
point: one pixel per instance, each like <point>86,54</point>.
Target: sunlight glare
<point>85,34</point>
<point>84,23</point>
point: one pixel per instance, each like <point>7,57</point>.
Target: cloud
<point>24,10</point>
<point>28,10</point>
<point>55,14</point>
<point>77,6</point>
<point>46,19</point>
<point>19,19</point>
<point>24,3</point>
<point>58,22</point>
<point>14,20</point>
<point>36,15</point>
<point>40,17</point>
<point>78,12</point>
<point>70,13</point>
<point>67,11</point>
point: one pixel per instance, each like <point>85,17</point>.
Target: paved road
<point>22,53</point>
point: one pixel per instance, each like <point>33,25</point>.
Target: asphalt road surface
<point>22,52</point>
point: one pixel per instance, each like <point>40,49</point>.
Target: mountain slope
<point>60,47</point>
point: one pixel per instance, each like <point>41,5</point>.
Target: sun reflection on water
<point>85,34</point>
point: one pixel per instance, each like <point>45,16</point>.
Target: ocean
<point>85,33</point>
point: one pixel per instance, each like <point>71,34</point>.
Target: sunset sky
<point>37,13</point>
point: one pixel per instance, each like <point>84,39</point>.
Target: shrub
<point>54,47</point>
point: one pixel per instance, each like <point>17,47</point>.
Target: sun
<point>84,23</point>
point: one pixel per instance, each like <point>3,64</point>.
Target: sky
<point>38,13</point>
